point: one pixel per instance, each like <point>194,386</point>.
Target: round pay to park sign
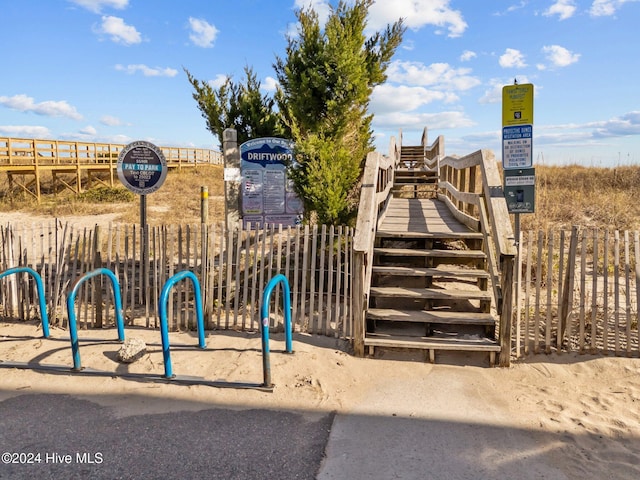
<point>142,167</point>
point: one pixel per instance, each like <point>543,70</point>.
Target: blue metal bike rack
<point>40,287</point>
<point>162,311</point>
<point>71,298</point>
<point>264,315</point>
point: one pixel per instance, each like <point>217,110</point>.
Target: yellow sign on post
<point>517,105</point>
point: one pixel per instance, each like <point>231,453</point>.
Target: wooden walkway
<point>411,216</point>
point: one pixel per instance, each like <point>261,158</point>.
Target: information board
<point>268,196</point>
<point>142,167</point>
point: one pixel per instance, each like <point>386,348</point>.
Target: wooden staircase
<point>429,285</point>
<point>412,178</point>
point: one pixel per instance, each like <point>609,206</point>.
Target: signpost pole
<point>145,252</point>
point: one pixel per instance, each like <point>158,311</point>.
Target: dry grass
<point>591,197</point>
<point>176,202</point>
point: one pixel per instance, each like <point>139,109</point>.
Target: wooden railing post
<point>358,303</point>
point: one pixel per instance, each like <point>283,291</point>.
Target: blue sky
<point>112,70</point>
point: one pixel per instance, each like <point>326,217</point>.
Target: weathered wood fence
<point>233,266</point>
<point>579,292</point>
<point>578,289</point>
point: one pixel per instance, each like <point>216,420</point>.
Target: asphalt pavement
<point>47,436</point>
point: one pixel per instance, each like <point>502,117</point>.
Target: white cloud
<point>269,85</point>
<point>89,130</point>
<point>96,6</point>
<point>50,108</point>
<point>560,56</point>
<point>467,55</point>
<point>493,94</point>
<point>606,8</point>
<point>387,99</point>
<point>563,8</point>
<point>512,58</point>
<point>119,31</point>
<point>218,81</point>
<point>438,75</point>
<point>110,121</point>
<point>147,71</point>
<point>435,121</point>
<point>25,131</point>
<point>417,14</point>
<point>203,34</point>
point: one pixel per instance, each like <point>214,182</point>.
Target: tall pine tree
<point>326,81</point>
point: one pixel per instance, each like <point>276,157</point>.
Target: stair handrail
<point>471,187</point>
<point>377,180</point>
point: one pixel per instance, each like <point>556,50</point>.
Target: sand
<point>560,416</point>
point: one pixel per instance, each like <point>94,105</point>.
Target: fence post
<point>567,288</point>
<point>97,284</point>
<point>358,303</point>
<point>507,310</point>
<point>231,187</point>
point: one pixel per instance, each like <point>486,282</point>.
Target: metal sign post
<point>142,168</point>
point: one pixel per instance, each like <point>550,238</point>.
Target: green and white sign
<point>520,190</point>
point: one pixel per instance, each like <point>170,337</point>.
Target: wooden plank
<point>536,314</point>
<point>449,272</point>
<point>583,284</point>
<point>594,292</point>
<point>527,307</point>
<point>627,293</point>
<point>456,254</point>
<point>432,316</point>
<point>616,291</point>
<point>636,244</point>
<point>430,293</point>
<point>327,322</point>
<point>549,282</point>
<point>323,247</point>
<point>451,344</point>
<point>312,280</point>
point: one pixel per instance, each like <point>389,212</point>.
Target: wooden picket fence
<point>577,289</point>
<point>233,266</point>
<point>578,292</point>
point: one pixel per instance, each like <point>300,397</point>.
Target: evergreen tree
<point>326,81</point>
<point>237,105</point>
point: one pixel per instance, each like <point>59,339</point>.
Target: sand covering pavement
<point>567,416</point>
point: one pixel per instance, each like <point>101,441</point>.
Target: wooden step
<point>408,252</point>
<point>438,317</point>
<point>454,273</point>
<point>471,235</point>
<point>430,293</point>
<point>432,344</point>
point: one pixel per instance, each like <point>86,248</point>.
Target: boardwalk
<point>411,216</point>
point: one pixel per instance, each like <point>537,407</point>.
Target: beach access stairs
<point>434,254</point>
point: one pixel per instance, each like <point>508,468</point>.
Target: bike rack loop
<point>40,287</point>
<point>162,312</point>
<point>264,315</point>
<point>71,298</point>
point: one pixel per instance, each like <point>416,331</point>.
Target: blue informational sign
<point>142,167</point>
<point>517,147</point>
<point>268,196</point>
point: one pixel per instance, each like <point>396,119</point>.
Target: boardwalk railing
<point>377,181</point>
<point>26,160</point>
<point>472,188</point>
<point>232,265</point>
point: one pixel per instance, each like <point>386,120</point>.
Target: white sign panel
<point>517,147</point>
